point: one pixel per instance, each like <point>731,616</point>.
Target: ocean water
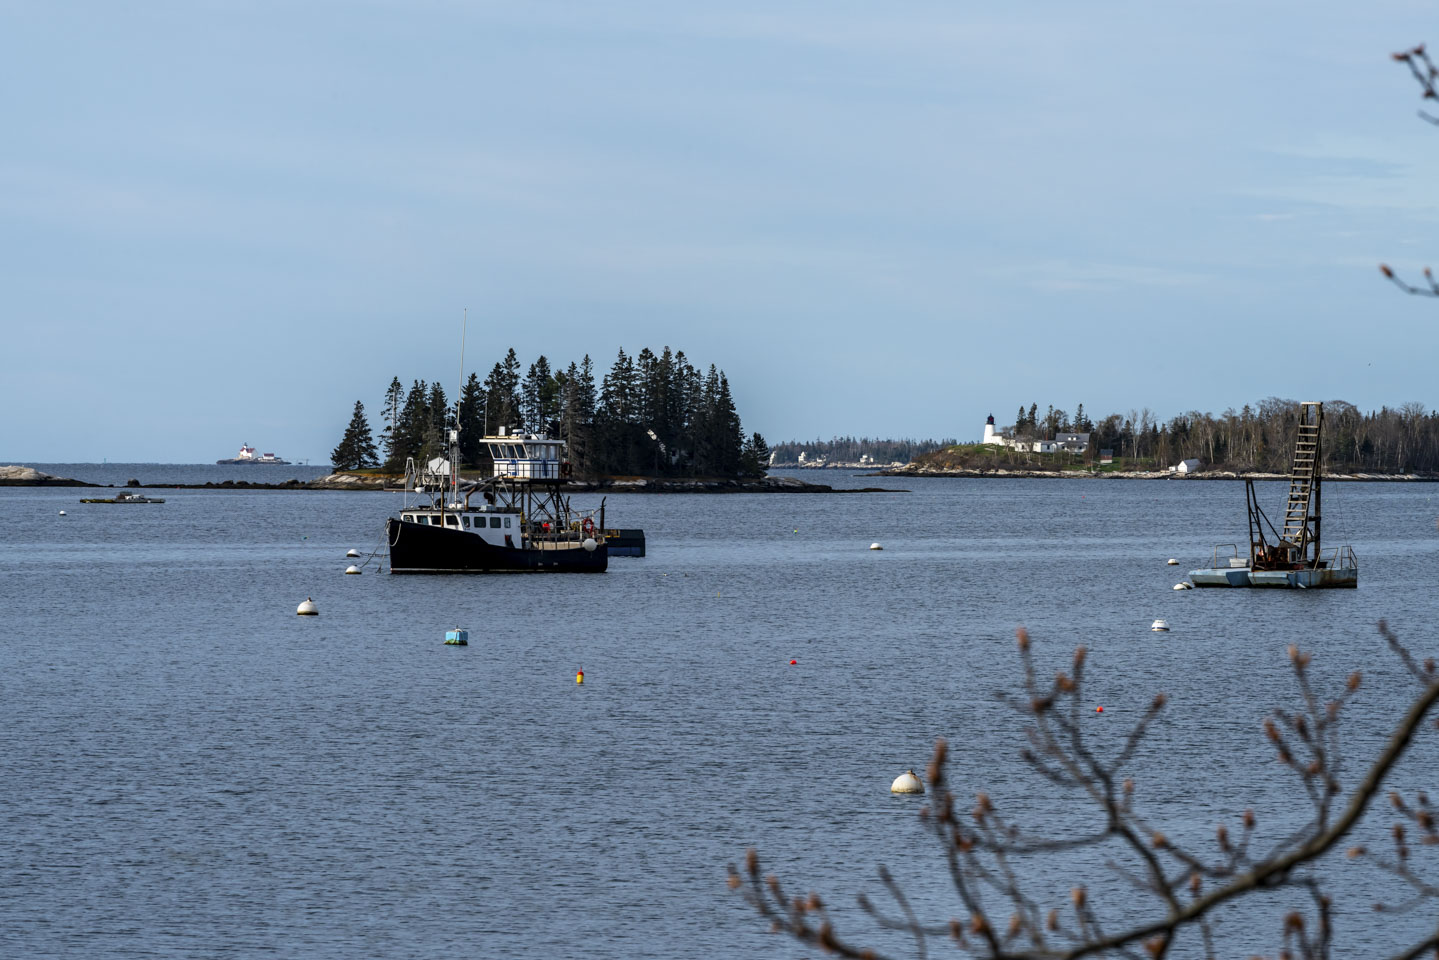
<point>188,769</point>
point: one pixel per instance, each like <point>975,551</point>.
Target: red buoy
<point>1098,709</point>
<point>793,662</point>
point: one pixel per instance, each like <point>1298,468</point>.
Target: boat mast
<point>454,451</point>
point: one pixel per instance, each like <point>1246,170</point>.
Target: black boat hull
<point>421,548</point>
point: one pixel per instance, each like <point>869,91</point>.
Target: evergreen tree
<point>391,413</point>
<point>538,394</point>
<point>582,430</point>
<point>409,435</point>
<point>356,449</point>
<point>755,460</point>
<point>508,412</point>
<point>1019,421</point>
<point>494,399</point>
<point>472,421</point>
<point>438,418</point>
<point>729,435</point>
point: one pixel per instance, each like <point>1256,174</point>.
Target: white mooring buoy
<point>1186,585</point>
<point>352,552</point>
<point>590,544</point>
<point>352,569</point>
<point>907,782</point>
<point>62,513</point>
<point>1172,562</point>
<point>308,609</point>
<point>875,546</point>
<point>1159,626</point>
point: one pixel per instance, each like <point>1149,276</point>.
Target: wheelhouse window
<point>507,521</point>
<point>495,523</point>
<point>450,520</point>
<point>408,518</point>
<point>465,522</point>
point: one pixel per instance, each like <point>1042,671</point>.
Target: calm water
<point>190,770</point>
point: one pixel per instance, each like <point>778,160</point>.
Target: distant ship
<point>247,455</point>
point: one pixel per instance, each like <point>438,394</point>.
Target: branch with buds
<point>1427,75</point>
<point>989,858</point>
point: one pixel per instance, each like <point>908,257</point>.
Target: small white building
<point>1071,442</point>
<point>1187,467</point>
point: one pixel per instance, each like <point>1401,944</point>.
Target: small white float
<point>589,544</point>
<point>1186,585</point>
<point>875,546</point>
<point>308,609</point>
<point>62,513</point>
<point>1159,626</point>
<point>906,782</point>
<point>352,552</point>
<point>1172,562</point>
<point>352,569</point>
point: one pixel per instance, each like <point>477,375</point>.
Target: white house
<point>1187,466</point>
<point>1071,442</point>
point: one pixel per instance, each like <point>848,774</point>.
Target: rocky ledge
<point>914,470</point>
<point>16,476</point>
<point>354,481</point>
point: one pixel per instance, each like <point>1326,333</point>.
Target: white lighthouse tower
<point>990,436</point>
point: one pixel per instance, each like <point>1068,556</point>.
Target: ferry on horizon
<point>247,455</point>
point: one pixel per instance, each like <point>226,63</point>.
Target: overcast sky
<point>226,222</point>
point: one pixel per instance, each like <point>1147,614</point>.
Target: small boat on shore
<point>1294,558</point>
<point>124,496</point>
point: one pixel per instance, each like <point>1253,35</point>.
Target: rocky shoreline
<point>16,476</point>
<point>911,470</point>
<point>13,476</point>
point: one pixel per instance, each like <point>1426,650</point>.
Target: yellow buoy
<point>579,676</point>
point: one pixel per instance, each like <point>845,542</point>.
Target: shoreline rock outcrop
<point>19,476</point>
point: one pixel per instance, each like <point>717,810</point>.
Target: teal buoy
<point>457,638</point>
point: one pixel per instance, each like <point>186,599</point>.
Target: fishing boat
<point>124,496</point>
<point>1292,557</point>
<point>517,520</point>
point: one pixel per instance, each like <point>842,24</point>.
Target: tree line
<point>1257,437</point>
<point>850,449</point>
<point>653,414</point>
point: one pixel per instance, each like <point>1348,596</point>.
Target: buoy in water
<point>352,552</point>
<point>793,662</point>
<point>352,569</point>
<point>1186,585</point>
<point>1098,709</point>
<point>906,782</point>
<point>1159,626</point>
<point>457,637</point>
<point>875,546</point>
<point>308,609</point>
<point>62,513</point>
<point>1172,562</point>
<point>589,544</point>
<point>579,676</point>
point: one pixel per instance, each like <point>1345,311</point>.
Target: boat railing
<point>1342,558</point>
<point>1231,559</point>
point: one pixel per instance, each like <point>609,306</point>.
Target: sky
<point>225,222</point>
